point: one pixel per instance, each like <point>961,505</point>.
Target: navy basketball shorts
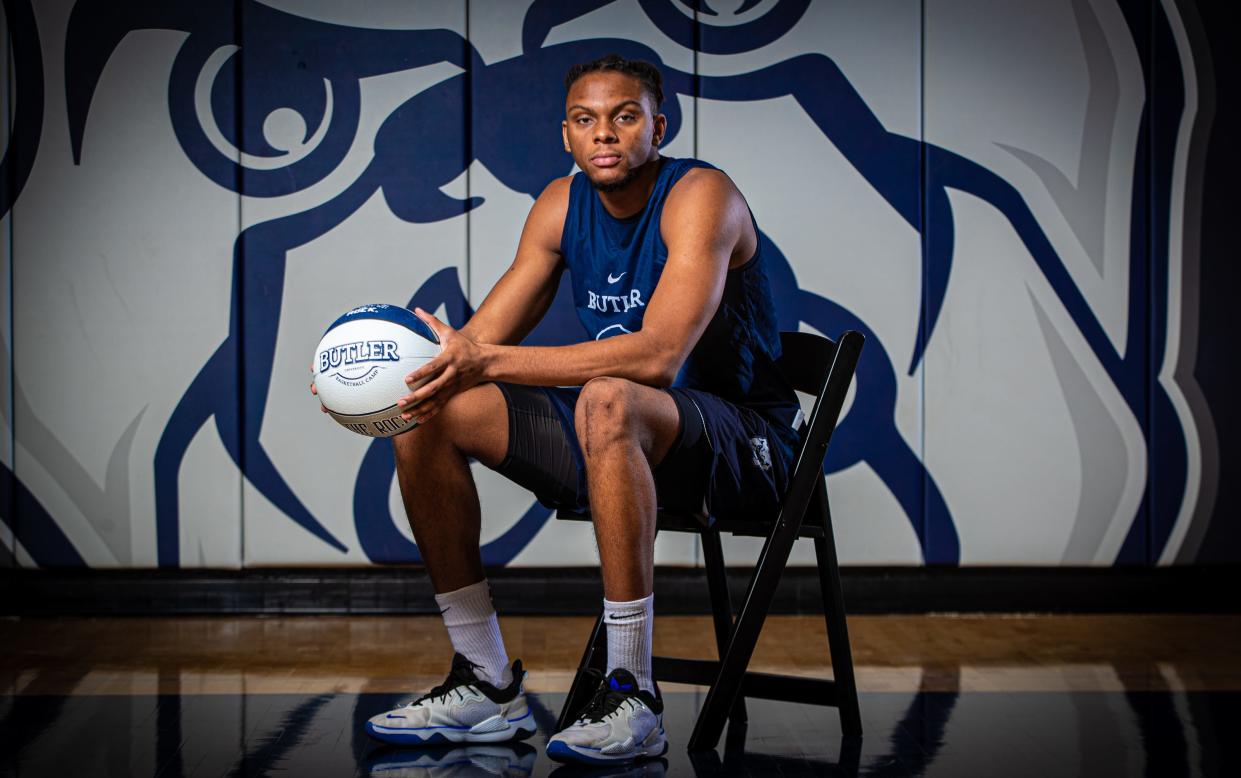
<point>726,460</point>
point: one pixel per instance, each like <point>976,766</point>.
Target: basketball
<point>361,363</point>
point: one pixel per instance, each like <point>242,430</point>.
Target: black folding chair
<point>814,365</point>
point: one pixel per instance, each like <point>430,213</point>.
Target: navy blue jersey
<point>615,264</point>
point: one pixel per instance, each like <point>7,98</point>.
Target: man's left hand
<point>458,367</point>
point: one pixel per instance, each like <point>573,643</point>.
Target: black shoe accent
<point>619,686</point>
<point>462,674</point>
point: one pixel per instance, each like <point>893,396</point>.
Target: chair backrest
<point>806,359</point>
<point>824,368</point>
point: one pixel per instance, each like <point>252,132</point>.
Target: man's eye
<point>625,117</point>
<point>583,120</point>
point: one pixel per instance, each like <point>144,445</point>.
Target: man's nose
<point>604,132</point>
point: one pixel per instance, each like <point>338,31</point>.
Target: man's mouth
<point>606,159</point>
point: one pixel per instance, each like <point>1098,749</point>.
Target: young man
<point>678,402</point>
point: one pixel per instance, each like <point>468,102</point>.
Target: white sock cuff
<point>646,602</point>
<point>474,630</point>
<point>467,605</point>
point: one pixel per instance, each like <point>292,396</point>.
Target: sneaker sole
<point>518,729</point>
<point>563,752</point>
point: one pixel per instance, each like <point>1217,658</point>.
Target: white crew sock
<point>629,627</point>
<point>474,631</point>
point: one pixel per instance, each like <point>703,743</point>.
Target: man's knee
<point>608,412</point>
<point>474,422</point>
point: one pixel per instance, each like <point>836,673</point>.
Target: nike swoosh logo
<point>445,610</point>
<point>612,280</point>
<point>625,616</point>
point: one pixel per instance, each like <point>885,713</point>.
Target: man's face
<point>611,128</point>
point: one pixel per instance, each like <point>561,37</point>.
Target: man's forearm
<point>512,308</point>
<point>635,357</point>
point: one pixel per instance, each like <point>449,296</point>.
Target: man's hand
<point>313,389</point>
<point>458,367</point>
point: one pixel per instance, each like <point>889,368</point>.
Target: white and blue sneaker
<point>462,709</point>
<point>621,724</point>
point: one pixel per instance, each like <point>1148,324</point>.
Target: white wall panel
<point>998,428</point>
<point>1049,96</point>
<point>122,264</point>
<point>1042,459</point>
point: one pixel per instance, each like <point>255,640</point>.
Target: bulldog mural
<point>213,180</point>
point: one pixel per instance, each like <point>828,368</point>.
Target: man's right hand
<point>459,367</point>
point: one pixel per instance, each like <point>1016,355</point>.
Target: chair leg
<point>850,755</point>
<point>749,624</point>
<point>721,606</point>
<point>594,657</point>
<point>834,613</point>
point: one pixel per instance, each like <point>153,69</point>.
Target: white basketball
<point>361,364</point>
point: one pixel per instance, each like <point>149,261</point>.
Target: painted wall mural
<point>1001,196</point>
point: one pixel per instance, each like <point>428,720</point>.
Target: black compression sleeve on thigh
<point>541,455</point>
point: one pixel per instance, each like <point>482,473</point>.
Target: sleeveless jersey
<point>614,265</point>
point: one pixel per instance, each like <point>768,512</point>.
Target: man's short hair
<point>647,74</point>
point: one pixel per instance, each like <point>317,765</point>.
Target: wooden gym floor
<point>941,695</point>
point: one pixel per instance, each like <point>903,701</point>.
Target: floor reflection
<point>500,759</point>
<point>941,696</point>
<point>925,733</point>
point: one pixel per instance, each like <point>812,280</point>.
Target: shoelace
<point>605,703</point>
<point>451,684</point>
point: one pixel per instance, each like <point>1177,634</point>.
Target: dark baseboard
<point>577,591</point>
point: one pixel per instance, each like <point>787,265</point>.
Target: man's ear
<point>564,134</point>
<point>661,127</point>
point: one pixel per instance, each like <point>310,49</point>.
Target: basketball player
<point>677,402</point>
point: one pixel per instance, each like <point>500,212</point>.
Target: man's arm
<point>703,219</point>
<point>523,294</point>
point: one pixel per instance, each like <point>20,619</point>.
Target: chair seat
<point>678,521</point>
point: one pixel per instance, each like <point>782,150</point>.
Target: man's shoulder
<point>545,222</point>
<point>553,202</point>
<point>703,176</point>
<point>558,189</point>
<point>702,187</point>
